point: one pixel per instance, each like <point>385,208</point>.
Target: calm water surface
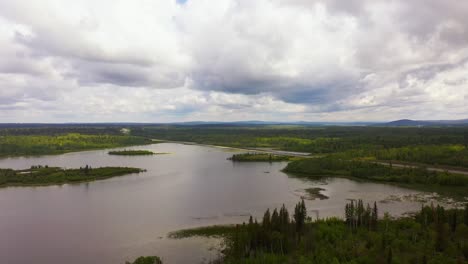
<point>118,219</point>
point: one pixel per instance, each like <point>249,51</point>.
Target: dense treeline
<point>57,129</point>
<point>44,175</point>
<point>43,144</point>
<point>452,155</point>
<point>436,146</point>
<point>433,235</point>
<point>258,157</point>
<point>429,145</point>
<point>327,166</point>
<point>310,139</point>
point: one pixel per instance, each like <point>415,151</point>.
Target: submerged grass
<point>204,231</point>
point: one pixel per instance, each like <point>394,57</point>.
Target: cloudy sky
<point>226,60</point>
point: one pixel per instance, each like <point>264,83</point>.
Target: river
<point>118,219</point>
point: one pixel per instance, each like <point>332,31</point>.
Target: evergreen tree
<point>466,214</point>
<point>300,215</point>
<point>275,221</point>
<point>352,213</point>
<point>390,256</point>
<point>453,221</point>
<point>359,212</point>
<point>374,217</point>
<point>267,220</point>
<point>367,217</point>
<point>441,236</point>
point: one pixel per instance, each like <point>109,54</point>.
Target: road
<point>304,154</point>
<point>401,165</point>
<point>253,150</point>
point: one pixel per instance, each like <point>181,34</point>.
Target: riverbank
<point>44,175</point>
<point>450,184</point>
<point>251,150</point>
<point>365,235</point>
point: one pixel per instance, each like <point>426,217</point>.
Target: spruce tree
<point>267,220</point>
<point>453,221</point>
<point>374,216</point>
<point>275,221</point>
<point>389,256</point>
<point>300,215</point>
<point>466,214</point>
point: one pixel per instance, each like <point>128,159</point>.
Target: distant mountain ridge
<point>396,123</point>
<point>409,122</point>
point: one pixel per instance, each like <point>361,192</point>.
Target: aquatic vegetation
<point>205,231</point>
<point>146,260</point>
<point>315,193</point>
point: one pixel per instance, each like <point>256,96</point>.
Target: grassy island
<point>132,152</point>
<point>433,235</point>
<point>44,175</point>
<point>258,157</point>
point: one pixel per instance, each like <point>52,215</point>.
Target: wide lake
<point>118,219</point>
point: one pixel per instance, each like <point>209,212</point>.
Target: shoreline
<point>255,150</point>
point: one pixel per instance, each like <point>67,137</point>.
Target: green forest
<point>45,175</point>
<point>434,235</point>
<point>365,235</point>
<point>372,171</point>
<point>18,145</point>
<point>445,146</point>
<point>454,185</point>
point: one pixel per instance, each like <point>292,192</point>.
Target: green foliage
<point>13,145</point>
<point>453,155</point>
<point>436,146</point>
<point>258,157</point>
<point>131,152</point>
<point>309,139</point>
<point>146,260</point>
<point>327,166</point>
<point>39,175</point>
<point>422,238</point>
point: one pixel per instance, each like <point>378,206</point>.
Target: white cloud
<point>232,59</point>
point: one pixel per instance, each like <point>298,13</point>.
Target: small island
<point>132,152</point>
<point>45,175</point>
<point>258,157</point>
